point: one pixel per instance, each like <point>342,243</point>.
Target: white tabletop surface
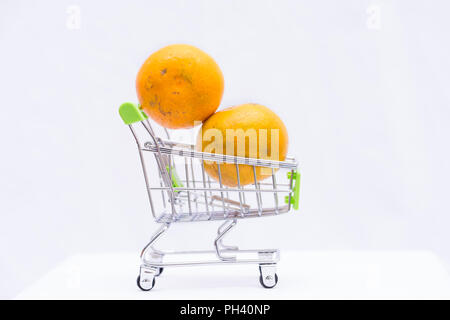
<point>302,275</point>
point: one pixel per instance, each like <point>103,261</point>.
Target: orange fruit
<point>178,85</point>
<point>247,130</point>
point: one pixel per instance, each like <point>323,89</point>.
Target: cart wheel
<point>160,270</point>
<point>146,286</point>
<point>261,280</point>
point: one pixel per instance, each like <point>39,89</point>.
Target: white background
<point>362,87</point>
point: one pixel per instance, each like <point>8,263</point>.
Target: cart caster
<point>160,270</point>
<point>145,285</point>
<point>268,283</point>
<point>146,278</point>
<point>268,277</point>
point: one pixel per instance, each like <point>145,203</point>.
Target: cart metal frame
<point>190,199</point>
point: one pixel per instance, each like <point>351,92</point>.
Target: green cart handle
<point>131,113</point>
<point>176,182</point>
<point>295,198</point>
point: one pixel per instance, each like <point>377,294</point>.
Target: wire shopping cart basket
<point>179,190</point>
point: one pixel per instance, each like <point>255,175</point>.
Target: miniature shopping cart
<point>179,190</point>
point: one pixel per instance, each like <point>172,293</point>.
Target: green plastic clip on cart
<point>179,190</point>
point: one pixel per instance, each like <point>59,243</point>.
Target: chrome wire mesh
<point>182,191</point>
